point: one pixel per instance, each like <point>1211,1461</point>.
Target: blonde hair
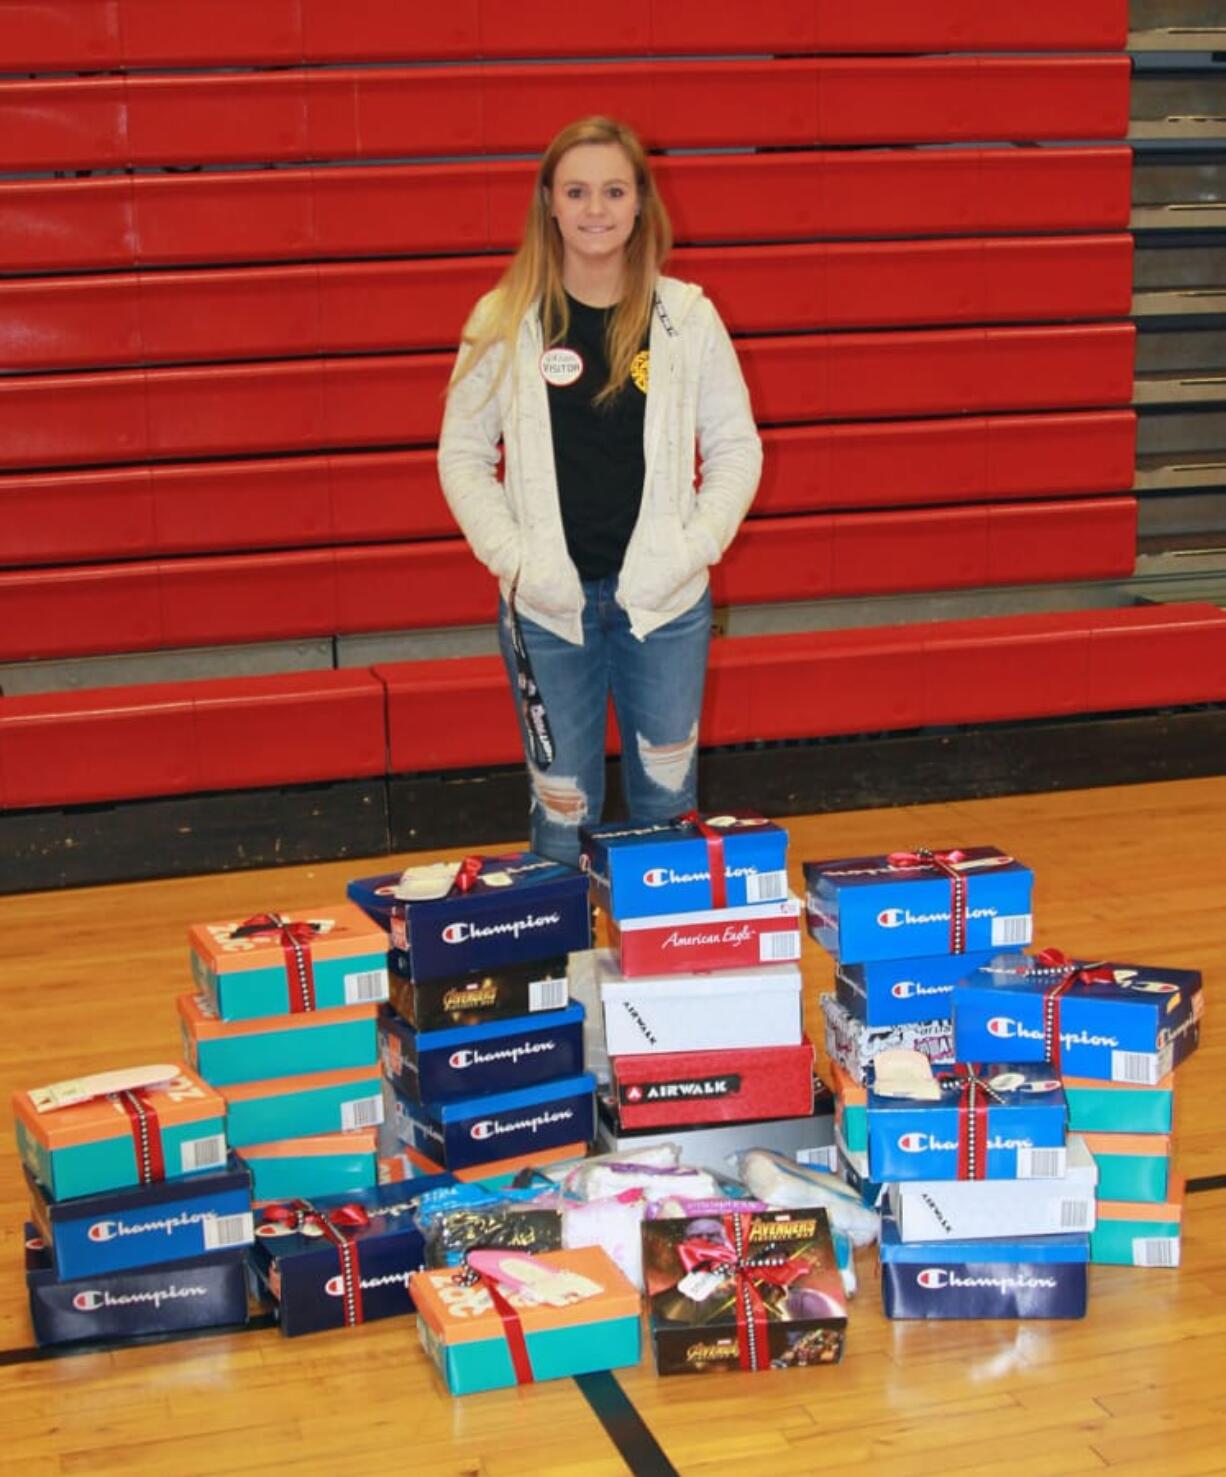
<point>534,275</point>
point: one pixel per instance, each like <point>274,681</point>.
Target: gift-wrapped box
<point>561,1313</point>
<point>224,1052</point>
<point>275,963</point>
<point>288,1107</point>
<point>850,1108</point>
<point>757,1006</point>
<point>1112,1022</point>
<point>474,999</point>
<point>337,1261</point>
<point>78,1138</point>
<point>914,903</point>
<point>1004,1121</point>
<point>965,1210</point>
<point>500,1056</point>
<point>723,938</point>
<point>893,992</point>
<point>806,1137</point>
<point>750,1290</point>
<point>684,1087</point>
<point>855,1045</point>
<point>640,868</point>
<point>316,1164</point>
<point>1131,1166</point>
<point>146,1225</point>
<point>1136,1233</point>
<point>1017,1277</point>
<point>1119,1107</point>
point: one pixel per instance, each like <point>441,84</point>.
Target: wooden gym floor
<point>1133,873</point>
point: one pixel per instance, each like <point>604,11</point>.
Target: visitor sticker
<point>561,367</point>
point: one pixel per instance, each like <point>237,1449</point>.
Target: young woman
<point>601,379</point>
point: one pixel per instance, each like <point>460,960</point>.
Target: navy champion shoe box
<point>473,999</point>
<point>203,1292</point>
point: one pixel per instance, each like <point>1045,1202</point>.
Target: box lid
<point>509,1102</point>
<point>787,908</point>
<point>761,979</point>
<point>315,1145</point>
<point>872,871</point>
<point>338,931</point>
<point>181,1099</point>
<point>243,1092</point>
<point>486,1031</point>
<point>185,1187</point>
<point>202,1021</point>
<point>1061,1248</point>
<point>1142,1145</point>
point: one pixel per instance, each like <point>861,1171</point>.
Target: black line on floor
<point>625,1427</point>
<point>1206,1182</point>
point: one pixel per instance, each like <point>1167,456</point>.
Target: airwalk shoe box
<point>695,1087</point>
<point>722,938</point>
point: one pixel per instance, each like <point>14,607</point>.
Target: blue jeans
<point>656,686</point>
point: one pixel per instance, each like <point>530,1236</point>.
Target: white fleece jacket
<point>696,400</point>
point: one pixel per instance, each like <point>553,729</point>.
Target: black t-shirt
<point>597,449</point>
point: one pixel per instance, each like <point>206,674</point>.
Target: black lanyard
<point>541,749</point>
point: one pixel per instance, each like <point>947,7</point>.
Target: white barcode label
<point>548,994</point>
<point>227,1230</point>
<point>1041,1164</point>
<point>1013,928</point>
<point>766,887</point>
<point>1141,1067</point>
<point>1155,1251</point>
<point>773,948</point>
<point>362,1112</point>
<point>1076,1215</point>
<point>365,988</point>
<point>823,1158</point>
<point>202,1153</point>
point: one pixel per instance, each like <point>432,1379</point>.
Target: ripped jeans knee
<point>560,798</point>
<point>668,765</point>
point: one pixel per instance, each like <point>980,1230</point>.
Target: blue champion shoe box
<point>146,1225</point>
<point>1133,1027</point>
<point>896,992</point>
<point>640,869</point>
<point>502,1125</point>
<point>1024,1277</point>
<point>203,1292</point>
<point>865,908</point>
<point>499,1056</point>
<point>1027,1116</point>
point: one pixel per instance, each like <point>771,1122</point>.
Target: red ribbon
<point>1074,974</point>
<point>715,856</point>
<point>299,1213</point>
<point>512,1327</point>
<point>469,871</point>
<point>295,940</point>
<point>973,1104</point>
<point>946,862</point>
<point>146,1135</point>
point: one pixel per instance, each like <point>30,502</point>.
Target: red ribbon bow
<point>946,862</point>
<point>146,1134</point>
<point>512,1324</point>
<point>1074,974</point>
<point>715,856</point>
<point>332,1223</point>
<point>973,1104</point>
<point>295,940</point>
<point>466,876</point>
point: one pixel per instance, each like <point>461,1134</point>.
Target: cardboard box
<point>411,1163</point>
<point>1119,1107</point>
<point>468,1338</point>
<point>1022,1277</point>
<point>276,963</point>
<point>1132,1166</point>
<point>755,1290</point>
<point>291,1107</point>
<point>854,1045</point>
<point>319,1164</point>
<point>640,868</point>
<point>1140,1234</point>
<point>807,1137</point>
<point>894,992</point>
<point>758,1006</point>
<point>225,1052</point>
<point>500,1056</point>
<point>172,1128</point>
<point>203,1292</point>
<point>684,1087</point>
<point>966,1210</point>
<point>1113,1022</point>
<point>905,906</point>
<point>475,999</point>
<point>850,1109</point>
<point>723,938</point>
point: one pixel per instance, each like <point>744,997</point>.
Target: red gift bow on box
<point>295,940</point>
<point>467,873</point>
<point>1073,974</point>
<point>948,863</point>
<point>715,855</point>
<point>749,1270</point>
<point>332,1223</point>
<point>512,1324</point>
<point>146,1134</point>
<point>973,1102</point>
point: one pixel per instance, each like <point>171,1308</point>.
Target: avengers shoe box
<point>288,1107</point>
<point>696,1087</point>
<point>500,1056</point>
<point>276,963</point>
<point>966,1210</point>
<point>77,1138</point>
<point>202,1292</point>
<point>319,1164</point>
<point>1002,1122</point>
<point>895,992</point>
<point>807,1138</point>
<point>757,1006</point>
<point>689,865</point>
<point>1131,1166</point>
<point>475,999</point>
<point>1119,1107</point>
<point>854,1045</point>
<point>1112,1022</point>
<point>146,1225</point>
<point>910,904</point>
<point>225,1052</point>
<point>722,938</point>
<point>1140,1233</point>
<point>1018,1277</point>
<point>339,1261</point>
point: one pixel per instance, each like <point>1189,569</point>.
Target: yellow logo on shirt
<point>640,367</point>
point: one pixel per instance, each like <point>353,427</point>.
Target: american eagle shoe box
<point>98,1145</point>
<point>593,1324</point>
<point>1131,1166</point>
<point>475,999</point>
<point>320,1164</point>
<point>291,1107</point>
<point>786,1308</point>
<point>501,1125</point>
<point>684,1087</point>
<point>1119,1107</point>
<point>724,938</point>
<point>304,1271</point>
<point>225,1052</point>
<point>807,1138</point>
<point>895,992</point>
<point>1140,1233</point>
<point>639,869</point>
<point>866,908</point>
<point>854,1045</point>
<point>760,1006</point>
<point>1018,1135</point>
<point>1115,1023</point>
<point>204,1292</point>
<point>285,962</point>
<point>965,1210</point>
<point>144,1226</point>
<point>501,1056</point>
<point>1021,1277</point>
